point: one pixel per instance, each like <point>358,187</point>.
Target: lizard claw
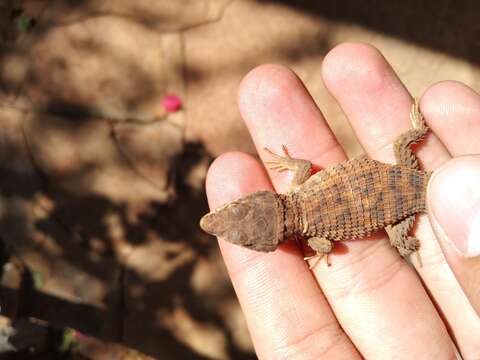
<point>318,257</point>
<point>300,167</point>
<point>416,116</point>
<point>285,152</point>
<point>276,165</point>
<point>281,163</point>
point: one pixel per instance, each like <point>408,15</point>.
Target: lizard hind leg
<point>322,247</point>
<point>399,238</point>
<point>404,155</point>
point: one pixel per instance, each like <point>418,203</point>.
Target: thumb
<point>453,200</point>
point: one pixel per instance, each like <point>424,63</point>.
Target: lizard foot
<point>281,163</point>
<point>416,116</point>
<point>318,257</point>
<point>322,247</point>
<point>301,168</point>
<point>409,246</point>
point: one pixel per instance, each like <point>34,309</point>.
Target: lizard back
<point>356,197</point>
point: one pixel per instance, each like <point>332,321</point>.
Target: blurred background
<point>110,113</point>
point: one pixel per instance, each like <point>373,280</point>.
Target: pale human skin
<point>370,303</point>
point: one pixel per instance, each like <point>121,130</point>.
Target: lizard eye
<point>238,211</point>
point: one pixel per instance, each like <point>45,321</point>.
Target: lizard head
<point>254,221</point>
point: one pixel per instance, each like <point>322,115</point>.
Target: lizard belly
<point>359,196</point>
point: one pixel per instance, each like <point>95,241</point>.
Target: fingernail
<point>454,203</point>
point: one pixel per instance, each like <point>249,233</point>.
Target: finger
<point>378,106</point>
<point>278,111</point>
<point>453,113</point>
<point>455,186</point>
<point>287,315</point>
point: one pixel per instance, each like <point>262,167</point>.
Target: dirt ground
<point>101,184</point>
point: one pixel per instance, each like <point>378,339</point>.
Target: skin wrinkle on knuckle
<point>472,352</point>
<point>430,161</point>
<point>431,253</point>
<point>242,266</point>
<point>330,334</point>
<point>472,286</point>
<point>256,273</point>
<point>364,279</point>
<point>255,292</point>
<point>432,259</point>
<point>332,147</point>
<point>384,150</point>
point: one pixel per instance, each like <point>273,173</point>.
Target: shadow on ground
<point>79,247</point>
<point>448,26</point>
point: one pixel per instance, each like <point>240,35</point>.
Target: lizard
<point>345,201</point>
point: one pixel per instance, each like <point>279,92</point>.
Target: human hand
<point>370,303</point>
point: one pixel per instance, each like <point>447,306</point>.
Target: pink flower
<point>171,103</point>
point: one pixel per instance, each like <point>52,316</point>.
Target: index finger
<point>287,314</point>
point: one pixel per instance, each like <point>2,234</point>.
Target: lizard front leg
<point>404,155</point>
<point>322,247</point>
<point>301,168</point>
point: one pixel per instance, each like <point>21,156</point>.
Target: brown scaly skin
<point>346,201</point>
<point>255,221</point>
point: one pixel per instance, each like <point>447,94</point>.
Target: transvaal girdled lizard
<point>342,202</point>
